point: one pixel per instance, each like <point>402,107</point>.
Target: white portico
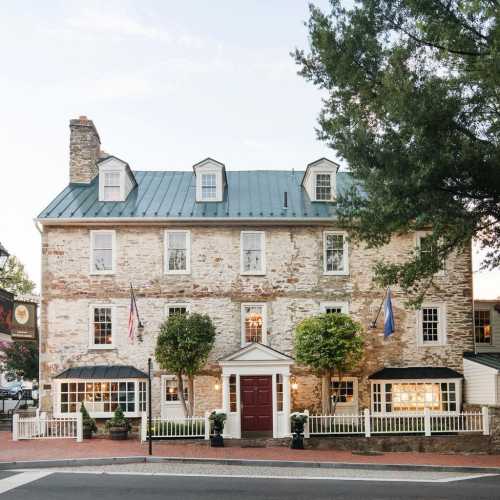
<point>256,391</point>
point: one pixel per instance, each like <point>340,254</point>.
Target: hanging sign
<point>6,311</point>
<point>24,324</point>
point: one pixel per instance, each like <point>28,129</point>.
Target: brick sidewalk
<point>96,448</point>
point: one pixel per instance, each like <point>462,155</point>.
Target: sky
<point>167,84</point>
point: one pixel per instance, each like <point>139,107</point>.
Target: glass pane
<point>103,260</point>
<point>334,252</point>
<point>112,193</point>
<point>252,251</point>
<point>254,322</point>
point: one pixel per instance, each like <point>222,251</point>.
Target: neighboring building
<point>257,251</point>
<point>482,367</point>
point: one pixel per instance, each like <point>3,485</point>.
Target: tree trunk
<point>191,395</point>
<point>337,394</point>
<point>325,393</point>
<point>180,393</point>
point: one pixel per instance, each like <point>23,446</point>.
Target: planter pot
<point>87,432</point>
<point>216,441</point>
<point>118,433</point>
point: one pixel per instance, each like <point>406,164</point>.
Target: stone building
<point>257,251</point>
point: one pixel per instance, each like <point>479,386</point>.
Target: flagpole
<point>373,324</point>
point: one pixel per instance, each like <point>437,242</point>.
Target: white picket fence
<point>43,426</point>
<point>426,423</point>
<point>178,427</point>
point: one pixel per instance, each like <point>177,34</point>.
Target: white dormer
<point>210,180</point>
<point>320,180</point>
<point>116,180</point>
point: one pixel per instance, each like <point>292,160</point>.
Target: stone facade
<point>84,149</point>
<point>293,288</point>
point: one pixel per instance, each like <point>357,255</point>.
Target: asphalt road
<point>129,485</point>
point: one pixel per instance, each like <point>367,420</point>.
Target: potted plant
<point>88,423</point>
<point>298,420</point>
<point>118,426</point>
<point>217,418</point>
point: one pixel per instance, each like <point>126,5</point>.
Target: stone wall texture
<point>293,288</point>
<point>84,150</point>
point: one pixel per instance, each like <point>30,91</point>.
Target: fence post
<point>427,421</point>
<point>79,427</point>
<point>207,425</point>
<point>486,420</point>
<point>367,423</point>
<point>144,427</point>
<point>15,427</point>
<point>307,433</point>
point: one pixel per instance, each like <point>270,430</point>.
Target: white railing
<point>178,427</point>
<point>426,423</point>
<point>43,426</point>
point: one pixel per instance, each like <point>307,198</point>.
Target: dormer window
<point>323,187</point>
<point>209,187</point>
<point>210,180</point>
<point>112,186</point>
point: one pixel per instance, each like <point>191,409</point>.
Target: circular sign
<point>21,314</point>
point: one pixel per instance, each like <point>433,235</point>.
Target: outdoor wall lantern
<point>294,384</point>
<point>217,385</point>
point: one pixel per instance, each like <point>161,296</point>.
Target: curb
<point>79,462</point>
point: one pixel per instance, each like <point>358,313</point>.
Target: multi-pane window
<point>323,187</point>
<point>253,323</point>
<point>99,396</point>
<point>102,326</point>
<point>333,310</point>
<point>102,251</point>
<point>414,396</point>
<point>279,392</point>
<point>176,309</point>
<point>335,258</point>
<point>482,326</point>
<point>172,391</point>
<point>112,187</point>
<point>430,324</point>
<point>142,396</point>
<point>177,252</point>
<point>208,187</point>
<point>252,252</point>
<point>342,391</point>
<point>232,394</point>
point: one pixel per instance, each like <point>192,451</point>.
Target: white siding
<point>495,327</point>
<point>480,383</point>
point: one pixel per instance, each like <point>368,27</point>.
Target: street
<point>188,481</point>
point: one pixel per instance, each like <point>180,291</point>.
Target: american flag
<point>133,317</point>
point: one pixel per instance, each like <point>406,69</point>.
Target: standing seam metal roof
<point>249,194</point>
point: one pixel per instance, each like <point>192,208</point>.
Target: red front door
<point>257,403</point>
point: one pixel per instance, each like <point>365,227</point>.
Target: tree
<point>20,357</point>
<point>183,346</point>
<point>14,279</point>
<point>330,345</point>
<point>413,106</point>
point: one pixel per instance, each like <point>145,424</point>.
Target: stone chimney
<point>84,150</point>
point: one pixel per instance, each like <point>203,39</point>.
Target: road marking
<point>268,476</point>
<point>11,482</point>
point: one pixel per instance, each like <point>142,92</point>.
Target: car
<point>12,390</point>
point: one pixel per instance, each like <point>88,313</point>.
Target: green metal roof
<point>491,359</point>
<point>250,194</point>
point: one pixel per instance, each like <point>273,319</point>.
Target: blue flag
<point>389,316</point>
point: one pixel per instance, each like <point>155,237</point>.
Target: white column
<point>15,427</point>
<point>79,427</point>
<point>427,421</point>
<point>225,394</point>
<point>486,420</point>
<point>366,414</point>
<point>286,404</point>
<point>275,408</point>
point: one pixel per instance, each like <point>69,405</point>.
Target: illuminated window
<point>172,391</point>
<point>253,323</point>
<point>232,394</point>
<point>343,391</point>
<point>279,392</point>
<point>102,327</point>
<point>482,326</point>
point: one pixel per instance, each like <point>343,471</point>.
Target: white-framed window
<point>482,326</point>
<point>177,251</point>
<point>253,323</point>
<point>233,398</point>
<point>425,247</point>
<point>209,186</point>
<point>279,392</point>
<point>171,390</point>
<point>102,251</point>
<point>431,324</point>
<point>253,252</point>
<point>335,253</point>
<point>101,397</point>
<point>345,391</point>
<point>101,331</point>
<point>413,396</point>
<point>177,308</point>
<point>323,188</point>
<point>112,186</point>
<point>334,307</point>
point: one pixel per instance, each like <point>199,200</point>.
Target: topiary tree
<point>183,346</point>
<point>330,345</point>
